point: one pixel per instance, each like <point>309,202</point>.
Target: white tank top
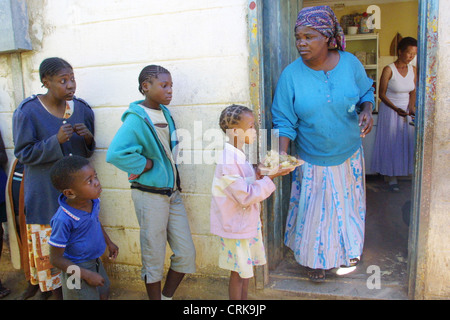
<point>399,87</point>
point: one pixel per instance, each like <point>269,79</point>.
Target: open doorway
<point>387,217</point>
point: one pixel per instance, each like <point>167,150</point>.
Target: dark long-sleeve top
<point>3,176</point>
<point>3,155</point>
<point>36,146</point>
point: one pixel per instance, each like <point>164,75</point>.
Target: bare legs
<point>172,282</point>
<point>238,287</point>
<point>153,290</point>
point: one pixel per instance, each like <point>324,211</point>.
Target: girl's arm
<point>281,172</point>
<point>87,130</point>
<point>59,261</point>
<point>233,185</point>
<point>148,166</point>
<point>125,150</point>
<point>82,130</point>
<point>27,148</point>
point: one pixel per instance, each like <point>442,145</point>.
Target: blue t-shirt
<point>318,110</point>
<point>79,232</point>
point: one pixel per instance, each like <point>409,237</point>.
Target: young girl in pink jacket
<point>237,191</point>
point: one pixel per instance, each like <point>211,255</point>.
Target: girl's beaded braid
<point>231,116</point>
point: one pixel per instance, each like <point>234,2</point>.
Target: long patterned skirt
<point>325,223</point>
<point>41,271</point>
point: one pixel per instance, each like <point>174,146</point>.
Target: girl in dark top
<point>45,129</point>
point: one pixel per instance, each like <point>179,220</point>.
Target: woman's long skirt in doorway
<point>326,218</point>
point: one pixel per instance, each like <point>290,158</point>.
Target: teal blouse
<point>319,110</point>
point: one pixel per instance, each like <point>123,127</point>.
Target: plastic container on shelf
<point>363,26</point>
<point>352,30</point>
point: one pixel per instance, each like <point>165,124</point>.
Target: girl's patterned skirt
<point>240,255</point>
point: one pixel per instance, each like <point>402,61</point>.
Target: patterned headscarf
<point>323,19</point>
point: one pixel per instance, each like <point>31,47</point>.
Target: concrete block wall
<point>203,43</point>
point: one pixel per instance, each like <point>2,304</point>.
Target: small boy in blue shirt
<point>78,238</point>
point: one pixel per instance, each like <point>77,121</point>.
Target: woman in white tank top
<point>393,153</point>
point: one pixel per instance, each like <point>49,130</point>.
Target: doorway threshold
<point>354,286</point>
<point>385,253</point>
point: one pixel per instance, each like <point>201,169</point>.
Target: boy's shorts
<point>163,219</point>
<point>85,291</point>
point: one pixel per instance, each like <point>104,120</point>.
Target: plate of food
<point>273,162</point>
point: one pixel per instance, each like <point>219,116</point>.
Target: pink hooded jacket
<point>236,196</point>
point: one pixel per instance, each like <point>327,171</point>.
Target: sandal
<point>4,291</point>
<point>394,188</point>
<point>316,275</point>
<point>353,262</point>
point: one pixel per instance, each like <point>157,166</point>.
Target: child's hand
<point>64,133</point>
<point>133,176</point>
<point>113,251</point>
<point>148,166</point>
<point>282,172</point>
<point>258,173</point>
<point>83,131</point>
<point>93,278</point>
<point>401,112</point>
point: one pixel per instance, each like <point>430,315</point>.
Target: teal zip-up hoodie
<point>136,141</point>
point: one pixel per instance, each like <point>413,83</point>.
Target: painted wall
<point>437,258</point>
<point>203,43</point>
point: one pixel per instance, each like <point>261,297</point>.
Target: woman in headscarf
<point>323,102</point>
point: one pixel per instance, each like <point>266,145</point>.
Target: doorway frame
<point>427,66</point>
